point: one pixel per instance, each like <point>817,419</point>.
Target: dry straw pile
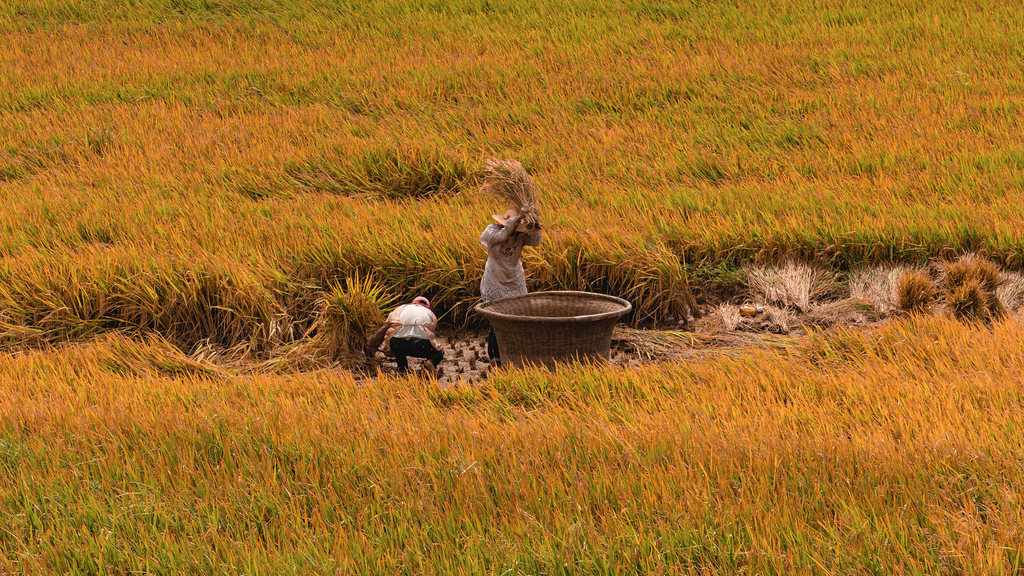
<point>969,288</point>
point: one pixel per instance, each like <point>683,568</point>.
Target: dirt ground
<point>466,359</point>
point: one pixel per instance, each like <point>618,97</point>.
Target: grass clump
<point>972,267</point>
<point>347,314</point>
<point>915,292</point>
<point>971,285</point>
<point>972,301</point>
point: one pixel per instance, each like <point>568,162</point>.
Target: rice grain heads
<point>509,181</point>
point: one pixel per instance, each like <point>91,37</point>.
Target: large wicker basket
<point>543,328</point>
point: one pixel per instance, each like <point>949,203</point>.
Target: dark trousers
<point>492,345</point>
<point>402,348</point>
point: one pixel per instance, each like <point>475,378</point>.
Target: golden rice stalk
<point>915,292</point>
<point>1011,294</point>
<point>654,344</point>
<point>509,181</point>
<point>840,313</point>
<point>972,267</point>
<point>971,301</point>
<point>790,285</point>
<point>972,283</point>
<point>878,285</point>
<point>347,315</point>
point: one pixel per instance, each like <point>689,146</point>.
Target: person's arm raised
<point>495,234</point>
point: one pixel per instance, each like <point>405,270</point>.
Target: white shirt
<point>414,320</point>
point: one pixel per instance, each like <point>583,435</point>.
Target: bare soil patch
<point>466,360</point>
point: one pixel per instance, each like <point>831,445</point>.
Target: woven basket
<point>547,327</point>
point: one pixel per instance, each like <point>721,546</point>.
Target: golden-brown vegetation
<point>894,451</point>
<point>916,292</point>
<point>972,284</point>
<point>220,157</point>
<point>227,176</point>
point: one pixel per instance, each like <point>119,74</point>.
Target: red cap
<point>421,301</point>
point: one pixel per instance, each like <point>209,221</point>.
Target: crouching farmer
<point>409,331</point>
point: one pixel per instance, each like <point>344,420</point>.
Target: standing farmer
<point>409,331</point>
<point>503,273</point>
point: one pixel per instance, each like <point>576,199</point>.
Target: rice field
<point>165,152</point>
<point>895,451</point>
<point>204,203</point>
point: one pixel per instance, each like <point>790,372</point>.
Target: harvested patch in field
<point>789,285</point>
<point>879,286</point>
<point>728,318</point>
<point>236,319</point>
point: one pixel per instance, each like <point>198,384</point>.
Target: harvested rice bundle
<point>971,286</point>
<point>509,181</point>
<point>915,292</point>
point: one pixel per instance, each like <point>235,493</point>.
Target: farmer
<point>503,273</point>
<point>409,331</point>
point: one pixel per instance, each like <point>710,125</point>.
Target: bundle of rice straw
<point>508,180</point>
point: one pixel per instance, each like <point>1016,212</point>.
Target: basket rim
<point>483,308</point>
